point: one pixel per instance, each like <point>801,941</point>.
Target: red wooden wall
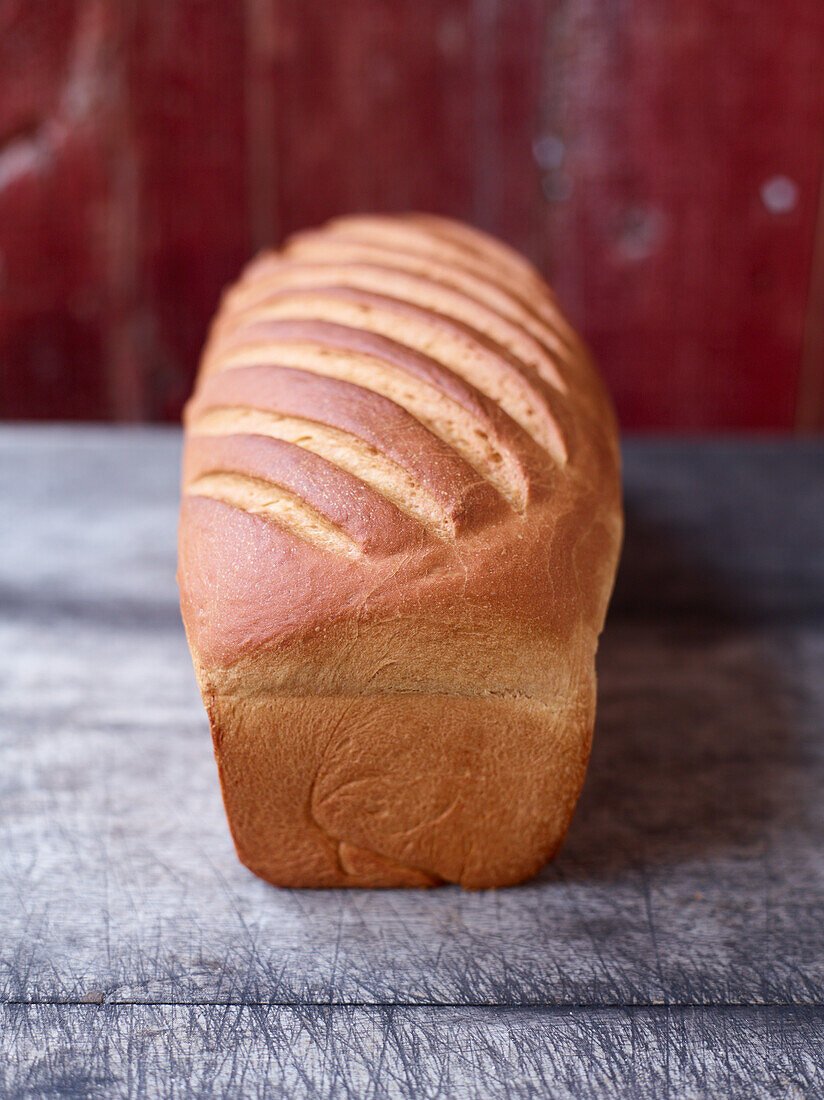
<point>661,159</point>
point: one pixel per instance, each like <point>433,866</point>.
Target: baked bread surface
<point>399,531</point>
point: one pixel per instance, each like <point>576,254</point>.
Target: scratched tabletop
<point>676,947</point>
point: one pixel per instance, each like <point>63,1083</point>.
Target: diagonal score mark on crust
<point>272,273</point>
<point>346,451</point>
<point>446,342</point>
<point>529,291</point>
<point>500,262</point>
<point>321,247</point>
<point>441,415</point>
<point>457,243</point>
<point>272,502</point>
<point>414,233</point>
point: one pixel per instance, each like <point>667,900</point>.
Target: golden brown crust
<point>399,532</point>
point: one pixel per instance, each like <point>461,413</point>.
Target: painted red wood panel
<point>509,66</point>
<point>385,109</point>
<point>682,236</point>
<point>186,117</point>
<point>374,109</point>
<point>662,161</point>
<point>53,202</point>
<point>428,106</point>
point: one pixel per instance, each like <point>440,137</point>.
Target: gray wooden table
<point>675,949</point>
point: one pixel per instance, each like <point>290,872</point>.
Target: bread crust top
<point>393,422</point>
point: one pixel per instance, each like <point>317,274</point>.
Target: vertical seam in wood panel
<point>548,116</point>
<point>260,30</point>
<point>486,198</point>
<point>125,373</point>
<point>809,409</point>
<point>536,224</point>
<point>553,94</point>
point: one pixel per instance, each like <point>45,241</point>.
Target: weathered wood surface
<point>681,932</point>
<point>182,1052</point>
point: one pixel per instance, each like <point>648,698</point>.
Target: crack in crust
<point>271,501</point>
<point>340,450</point>
<point>470,431</point>
<point>453,386</point>
<point>273,272</point>
<point>493,372</point>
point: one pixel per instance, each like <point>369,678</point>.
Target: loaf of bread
<point>400,526</point>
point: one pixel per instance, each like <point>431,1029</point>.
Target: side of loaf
<point>400,526</point>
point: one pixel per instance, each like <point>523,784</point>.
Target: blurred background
<point>660,161</point>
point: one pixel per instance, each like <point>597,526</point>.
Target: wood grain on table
<point>676,948</point>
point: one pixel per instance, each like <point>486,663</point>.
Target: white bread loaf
<point>400,527</point>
